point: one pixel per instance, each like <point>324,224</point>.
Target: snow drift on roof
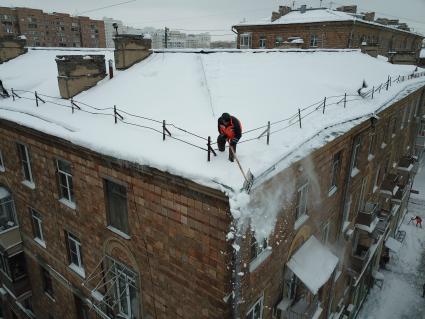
<point>313,264</point>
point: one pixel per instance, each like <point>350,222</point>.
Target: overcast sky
<point>215,15</point>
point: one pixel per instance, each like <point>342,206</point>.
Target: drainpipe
<point>237,280</point>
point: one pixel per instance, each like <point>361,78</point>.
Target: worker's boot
<point>231,157</point>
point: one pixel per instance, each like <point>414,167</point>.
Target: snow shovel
<point>249,178</point>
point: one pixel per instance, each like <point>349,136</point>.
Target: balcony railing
<point>359,258</point>
<point>420,142</point>
<point>17,286</point>
<point>302,309</point>
<point>367,215</point>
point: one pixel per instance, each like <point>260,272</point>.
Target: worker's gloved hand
<point>234,141</point>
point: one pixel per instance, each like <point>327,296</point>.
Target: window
<point>346,213</point>
<point>362,194</point>
<point>7,210</point>
<point>17,265</point>
<point>37,227</point>
<point>2,169</point>
<point>403,118</point>
<point>313,41</point>
<point>116,196</point>
<point>125,289</point>
<point>325,232</point>
<point>256,311</point>
<point>26,162</point>
<point>75,254</point>
<point>262,42</point>
<point>372,143</point>
<point>81,308</point>
<point>257,247</point>
<point>65,180</point>
<point>355,158</point>
<point>377,179</point>
<point>245,41</point>
<point>301,208</point>
<point>394,127</point>
<point>278,41</point>
<point>336,166</point>
<point>47,281</point>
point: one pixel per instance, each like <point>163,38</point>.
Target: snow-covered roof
<point>191,90</point>
<point>313,264</point>
<point>316,16</point>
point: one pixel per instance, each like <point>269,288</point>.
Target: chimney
<point>303,8</point>
<point>77,73</point>
<point>275,16</point>
<point>383,21</point>
<point>11,47</point>
<point>369,16</point>
<point>348,9</point>
<point>284,10</point>
<point>130,49</point>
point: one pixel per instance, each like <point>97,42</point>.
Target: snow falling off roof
<point>191,90</point>
<point>393,244</point>
<point>313,264</point>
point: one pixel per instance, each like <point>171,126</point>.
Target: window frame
<point>302,194</point>
<point>70,194</point>
<point>73,240</point>
<point>346,212</point>
<point>355,157</point>
<point>314,40</point>
<point>2,166</point>
<point>324,232</point>
<point>335,170</point>
<point>122,231</point>
<point>262,42</point>
<point>245,41</point>
<point>47,282</point>
<point>251,312</point>
<point>37,227</point>
<point>361,201</point>
<point>372,144</point>
<point>25,162</point>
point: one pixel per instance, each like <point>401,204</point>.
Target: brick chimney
<point>348,9</point>
<point>275,16</point>
<point>368,16</point>
<point>130,49</point>
<point>282,11</point>
<point>11,47</point>
<point>77,73</point>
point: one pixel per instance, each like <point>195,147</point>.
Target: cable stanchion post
<point>299,116</point>
<point>324,105</point>
<point>115,113</point>
<point>388,83</point>
<point>373,91</point>
<point>210,149</point>
<point>345,100</point>
<point>13,95</point>
<point>268,132</point>
<point>165,130</point>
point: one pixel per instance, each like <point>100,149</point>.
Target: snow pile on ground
<point>190,90</point>
<point>401,295</point>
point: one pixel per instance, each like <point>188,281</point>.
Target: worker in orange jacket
<point>230,129</point>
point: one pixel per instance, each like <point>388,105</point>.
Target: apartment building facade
<point>52,29</point>
<point>324,28</point>
<point>85,235</point>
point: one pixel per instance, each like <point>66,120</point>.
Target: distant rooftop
<point>191,90</point>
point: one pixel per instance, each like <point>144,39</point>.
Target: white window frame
<point>378,172</point>
<point>354,160</point>
<point>372,146</point>
<point>346,212</point>
<point>69,196</point>
<point>314,40</point>
<point>325,232</point>
<point>403,118</point>
<point>262,42</point>
<point>37,221</point>
<point>27,162</point>
<point>128,279</point>
<point>302,196</point>
<point>2,167</point>
<point>245,41</point>
<point>77,267</point>
<point>250,312</point>
<point>361,201</point>
<point>336,168</point>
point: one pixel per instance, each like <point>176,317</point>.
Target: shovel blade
<point>247,185</point>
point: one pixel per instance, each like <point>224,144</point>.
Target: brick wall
<point>177,229</point>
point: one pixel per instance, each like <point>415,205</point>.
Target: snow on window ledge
<point>67,203</point>
<point>375,188</point>
<point>50,297</point>
<point>392,135</point>
<point>383,145</point>
<point>2,169</point>
<point>78,270</point>
<point>118,232</point>
<point>370,157</point>
<point>345,226</point>
<point>332,191</point>
<point>259,259</point>
<point>28,184</point>
<point>354,171</point>
<point>41,242</point>
<point>301,221</point>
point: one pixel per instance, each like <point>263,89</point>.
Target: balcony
<point>13,274</point>
<point>302,309</point>
<point>389,185</point>
<point>367,218</point>
<point>420,142</point>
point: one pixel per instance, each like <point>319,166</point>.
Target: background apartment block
<point>52,29</point>
<point>309,28</point>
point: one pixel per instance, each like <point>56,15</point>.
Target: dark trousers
<point>221,142</point>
